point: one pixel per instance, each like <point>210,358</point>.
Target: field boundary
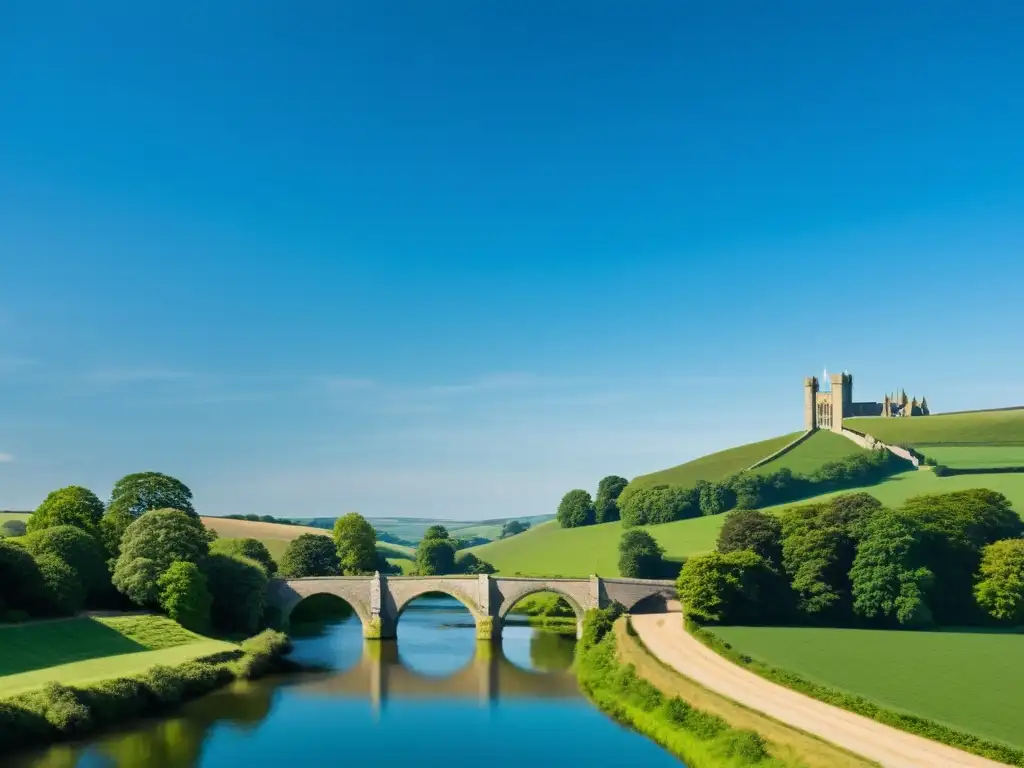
<point>870,442</point>
<point>782,451</point>
<point>914,724</point>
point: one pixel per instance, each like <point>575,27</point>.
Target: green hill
<point>715,466</point>
<point>974,428</point>
<point>820,448</point>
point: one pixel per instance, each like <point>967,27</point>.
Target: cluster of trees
<point>513,528</point>
<point>262,519</point>
<point>750,490</point>
<point>436,555</point>
<point>12,528</point>
<point>946,559</point>
<point>351,551</point>
<point>578,508</point>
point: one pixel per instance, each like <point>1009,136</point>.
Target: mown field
<point>87,649</point>
<point>976,428</point>
<point>820,448</point>
<point>714,466</point>
<point>969,680</point>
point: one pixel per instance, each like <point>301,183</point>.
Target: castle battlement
<point>827,409</point>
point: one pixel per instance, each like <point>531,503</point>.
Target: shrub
<point>184,595</point>
<point>658,504</point>
<point>64,710</point>
<point>254,549</point>
<point>73,505</point>
<point>469,563</point>
<point>238,587</point>
<point>748,746</point>
<point>575,510</point>
<point>715,498</point>
<point>310,555</point>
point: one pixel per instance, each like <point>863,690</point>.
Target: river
<point>434,697</point>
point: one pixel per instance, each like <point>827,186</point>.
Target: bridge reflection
<point>381,674</point>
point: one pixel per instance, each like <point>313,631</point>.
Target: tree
<point>640,556</point>
<point>1000,586</point>
<point>435,557</point>
<point>310,554</point>
<point>254,549</point>
<point>12,529</point>
<point>184,595</point>
<point>658,504</point>
<point>72,505</point>
<point>21,584</point>
<point>160,537</point>
<point>715,498</point>
<point>239,590</point>
<point>357,544</point>
<point>436,532</point>
<point>513,528</point>
<point>727,588</point>
<point>467,562</point>
<point>134,495</point>
<point>64,590</point>
<point>576,509</point>
<point>78,549</point>
<point>754,530</point>
<point>606,505</point>
<point>887,578</point>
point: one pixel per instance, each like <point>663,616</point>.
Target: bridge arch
<point>286,595</point>
<point>508,604</point>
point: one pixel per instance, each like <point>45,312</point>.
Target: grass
<point>550,550</point>
<point>715,466</point>
<point>22,516</point>
<point>975,456</point>
<point>83,650</point>
<point>820,448</point>
<point>968,680</point>
<point>413,528</point>
<point>976,428</point>
<point>786,743</point>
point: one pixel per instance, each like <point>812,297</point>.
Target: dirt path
<point>664,636</point>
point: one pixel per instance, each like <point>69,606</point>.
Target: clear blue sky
<point>453,259</point>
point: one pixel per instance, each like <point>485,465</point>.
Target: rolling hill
<point>412,528</point>
<point>820,448</point>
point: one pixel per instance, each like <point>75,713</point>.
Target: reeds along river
<point>435,697</point>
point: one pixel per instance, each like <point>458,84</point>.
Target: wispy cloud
<point>6,458</point>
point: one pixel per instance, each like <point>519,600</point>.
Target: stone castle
<point>826,409</point>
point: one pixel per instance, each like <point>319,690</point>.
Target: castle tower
<point>810,403</point>
<point>839,383</point>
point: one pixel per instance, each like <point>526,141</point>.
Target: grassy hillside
<point>83,650</point>
<point>714,466</point>
<point>975,428</point>
<point>975,456</point>
<point>5,516</point>
<point>413,528</point>
<point>820,448</point>
<point>971,681</point>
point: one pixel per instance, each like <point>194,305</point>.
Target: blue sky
<point>453,259</point>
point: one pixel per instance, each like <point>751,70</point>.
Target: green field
<point>975,456</point>
<point>820,448</point>
<point>977,428</point>
<point>971,681</point>
<point>5,516</point>
<point>83,650</point>
<point>549,550</point>
<point>413,528</point>
<point>714,466</point>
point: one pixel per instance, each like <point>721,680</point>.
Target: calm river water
<point>433,698</point>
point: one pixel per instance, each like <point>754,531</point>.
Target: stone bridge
<point>379,600</point>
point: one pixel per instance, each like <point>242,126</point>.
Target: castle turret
<point>839,384</point>
<point>810,402</point>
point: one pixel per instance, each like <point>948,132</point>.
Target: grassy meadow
<point>88,649</point>
<point>974,428</point>
<point>820,448</point>
<point>969,680</point>
<point>975,456</point>
<point>22,516</point>
<point>715,466</point>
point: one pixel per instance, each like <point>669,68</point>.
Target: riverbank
<point>59,712</point>
<point>668,641</point>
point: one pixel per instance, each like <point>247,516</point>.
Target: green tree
<point>64,590</point>
<point>513,528</point>
<point>1000,585</point>
<point>185,597</point>
<point>752,529</point>
<point>435,557</point>
<point>254,549</point>
<point>357,544</point>
<point>469,563</point>
<point>658,504</point>
<point>606,505</point>
<point>12,529</point>
<point>576,509</point>
<point>134,495</point>
<point>436,532</point>
<point>729,588</point>
<point>78,549</point>
<point>160,537</point>
<point>310,554</point>
<point>239,589</point>
<point>887,578</point>
<point>715,498</point>
<point>640,556</point>
<point>21,584</point>
<point>72,505</point>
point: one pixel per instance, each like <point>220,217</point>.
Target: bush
<point>184,596</point>
<point>715,498</point>
<point>253,549</point>
<point>748,746</point>
<point>658,504</point>
<point>575,510</point>
<point>73,505</point>
<point>467,562</point>
<point>238,587</point>
<point>310,555</point>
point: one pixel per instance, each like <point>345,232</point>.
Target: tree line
<point>952,559</point>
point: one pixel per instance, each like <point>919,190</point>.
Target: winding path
<point>665,637</point>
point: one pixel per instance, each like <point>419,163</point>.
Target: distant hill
<point>411,529</point>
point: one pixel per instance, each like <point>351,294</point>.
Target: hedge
<point>59,712</point>
<point>919,726</point>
